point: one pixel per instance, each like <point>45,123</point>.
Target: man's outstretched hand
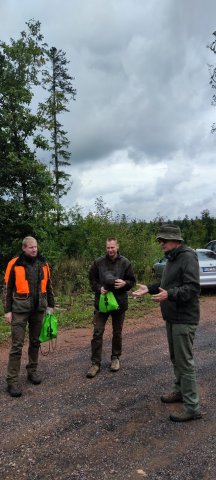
<point>141,291</point>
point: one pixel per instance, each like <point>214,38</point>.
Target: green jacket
<point>181,280</point>
<point>103,273</point>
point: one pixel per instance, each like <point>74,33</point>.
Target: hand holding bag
<point>108,302</point>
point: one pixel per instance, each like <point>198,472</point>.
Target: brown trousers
<point>18,330</point>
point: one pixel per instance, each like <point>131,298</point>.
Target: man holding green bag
<point>28,295</point>
<point>111,276</point>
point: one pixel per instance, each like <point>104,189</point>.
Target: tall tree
<point>25,183</point>
<point>212,47</point>
<point>58,82</point>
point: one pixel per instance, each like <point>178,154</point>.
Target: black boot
<point>14,390</point>
<point>34,378</point>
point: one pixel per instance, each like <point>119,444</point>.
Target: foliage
<point>25,183</point>
<point>72,247</point>
<point>4,327</point>
<point>19,68</point>
<point>69,276</point>
<point>82,239</point>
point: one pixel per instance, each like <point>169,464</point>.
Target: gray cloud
<point>143,99</point>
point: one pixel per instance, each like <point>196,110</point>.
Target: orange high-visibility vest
<point>21,284</point>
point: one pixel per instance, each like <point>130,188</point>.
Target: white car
<point>211,245</point>
<point>207,267</point>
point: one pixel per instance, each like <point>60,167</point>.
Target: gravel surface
<point>112,427</point>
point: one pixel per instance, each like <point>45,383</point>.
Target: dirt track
<point>113,426</point>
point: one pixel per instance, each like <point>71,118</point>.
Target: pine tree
<point>58,83</point>
<point>212,68</point>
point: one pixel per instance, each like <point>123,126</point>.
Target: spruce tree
<point>58,82</point>
<point>212,68</point>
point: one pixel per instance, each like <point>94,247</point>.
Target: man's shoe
<point>92,372</point>
<point>34,378</point>
<point>115,365</point>
<point>185,417</point>
<point>173,397</point>
<point>14,390</point>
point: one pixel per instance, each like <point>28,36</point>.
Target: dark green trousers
<point>180,341</point>
<point>99,321</point>
<point>18,330</point>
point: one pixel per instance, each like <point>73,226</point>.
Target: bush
<point>69,276</point>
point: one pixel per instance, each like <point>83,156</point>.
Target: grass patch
<point>77,310</point>
<point>4,327</point>
<point>138,306</point>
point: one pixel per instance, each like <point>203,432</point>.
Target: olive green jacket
<point>181,280</point>
<point>104,271</point>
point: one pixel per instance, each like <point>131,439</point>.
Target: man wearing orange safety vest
<point>28,295</point>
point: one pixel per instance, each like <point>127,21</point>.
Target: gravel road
<point>112,427</point>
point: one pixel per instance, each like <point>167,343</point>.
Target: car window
<point>211,246</point>
<point>206,255</point>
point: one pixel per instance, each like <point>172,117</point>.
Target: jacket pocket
<point>21,303</point>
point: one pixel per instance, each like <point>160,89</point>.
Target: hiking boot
<point>173,397</point>
<point>92,372</point>
<point>34,378</point>
<point>115,365</point>
<point>14,390</point>
<point>185,416</point>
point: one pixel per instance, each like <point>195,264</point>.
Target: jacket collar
<point>172,254</point>
<point>115,259</point>
<point>26,260</point>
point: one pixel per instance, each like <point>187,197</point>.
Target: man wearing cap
<point>111,272</point>
<point>178,294</point>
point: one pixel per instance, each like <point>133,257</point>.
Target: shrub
<point>69,276</point>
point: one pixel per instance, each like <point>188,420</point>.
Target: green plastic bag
<point>49,328</point>
<point>108,302</point>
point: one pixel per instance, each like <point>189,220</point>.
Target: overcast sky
<point>140,128</point>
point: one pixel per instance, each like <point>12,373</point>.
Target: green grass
<point>77,311</point>
<point>4,327</point>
